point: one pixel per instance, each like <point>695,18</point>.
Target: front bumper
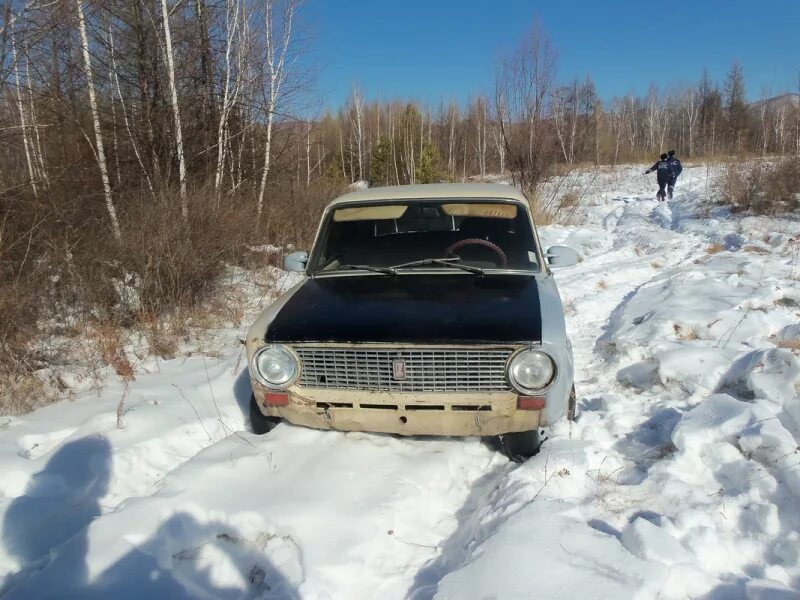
<point>448,414</point>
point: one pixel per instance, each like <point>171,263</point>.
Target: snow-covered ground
<point>680,479</point>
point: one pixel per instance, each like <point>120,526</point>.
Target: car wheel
<point>572,406</point>
<point>259,423</point>
<point>520,446</point>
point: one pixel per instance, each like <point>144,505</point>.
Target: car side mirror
<point>561,256</point>
<point>296,261</point>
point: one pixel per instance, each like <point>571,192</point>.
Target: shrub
<point>762,187</point>
<point>62,272</point>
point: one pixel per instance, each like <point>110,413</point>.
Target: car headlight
<point>275,366</point>
<point>531,370</point>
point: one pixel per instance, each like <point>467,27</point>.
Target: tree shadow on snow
<point>47,530</point>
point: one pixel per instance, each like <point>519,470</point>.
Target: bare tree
<point>564,110</point>
<point>176,112</point>
<point>452,117</point>
<point>118,89</point>
<point>523,83</point>
<point>98,134</point>
<point>357,119</point>
<point>277,46</point>
<point>235,41</point>
<point>500,147</point>
<point>27,143</point>
<point>691,109</point>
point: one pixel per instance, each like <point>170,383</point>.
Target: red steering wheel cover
<point>451,249</point>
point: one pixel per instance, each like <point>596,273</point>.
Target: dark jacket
<point>675,166</point>
<point>662,169</point>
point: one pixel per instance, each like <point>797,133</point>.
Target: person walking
<point>675,169</point>
<point>662,169</point>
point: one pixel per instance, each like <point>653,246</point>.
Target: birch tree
<point>522,86</point>
<point>235,41</point>
<point>98,134</point>
<point>357,122</point>
<point>277,47</point>
<point>27,143</point>
<point>480,115</point>
<point>176,112</point>
<point>691,109</point>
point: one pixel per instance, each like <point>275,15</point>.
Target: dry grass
<point>761,187</point>
<point>109,341</point>
<point>715,248</point>
<point>793,345</point>
<point>64,276</point>
<point>685,334</point>
<point>756,250</point>
<point>786,302</point>
<point>22,392</point>
<point>542,215</point>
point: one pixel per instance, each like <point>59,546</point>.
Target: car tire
<point>260,423</point>
<point>520,446</point>
<point>572,405</point>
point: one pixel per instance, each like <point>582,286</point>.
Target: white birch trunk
<point>378,125</point>
<point>451,141</point>
<point>98,136</point>
<point>23,122</point>
<point>176,113</point>
<point>232,23</point>
<point>692,111</point>
<point>308,153</point>
<point>38,155</point>
<point>394,149</point>
<point>277,73</point>
<point>501,148</point>
<point>358,105</point>
<point>341,152</point>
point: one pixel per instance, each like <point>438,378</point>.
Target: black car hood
<point>429,309</point>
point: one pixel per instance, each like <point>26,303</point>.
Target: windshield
<point>382,237</point>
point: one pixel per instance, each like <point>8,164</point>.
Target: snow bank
<point>681,478</point>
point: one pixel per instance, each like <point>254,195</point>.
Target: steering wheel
<point>451,249</point>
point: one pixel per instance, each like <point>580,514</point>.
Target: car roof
<point>494,191</point>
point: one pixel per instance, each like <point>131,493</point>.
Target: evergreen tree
<point>429,169</point>
<point>334,170</point>
<point>710,113</point>
<point>380,163</point>
<point>736,105</point>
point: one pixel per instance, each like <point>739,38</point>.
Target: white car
<point>426,310</point>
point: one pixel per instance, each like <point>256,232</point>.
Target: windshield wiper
<point>383,270</point>
<point>442,262</point>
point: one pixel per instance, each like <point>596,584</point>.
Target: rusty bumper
<point>449,414</point>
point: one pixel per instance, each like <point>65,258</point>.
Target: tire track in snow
<point>501,494</point>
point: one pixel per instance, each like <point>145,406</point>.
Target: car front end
<point>374,340</point>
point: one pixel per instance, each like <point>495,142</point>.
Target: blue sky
<point>449,48</point>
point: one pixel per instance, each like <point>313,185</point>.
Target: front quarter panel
<point>257,331</point>
<point>556,342</point>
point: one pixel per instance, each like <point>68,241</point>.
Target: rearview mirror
<point>296,261</point>
<point>561,256</point>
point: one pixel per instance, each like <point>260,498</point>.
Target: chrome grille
<point>425,369</point>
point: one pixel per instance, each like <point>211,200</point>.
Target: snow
<point>680,479</point>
